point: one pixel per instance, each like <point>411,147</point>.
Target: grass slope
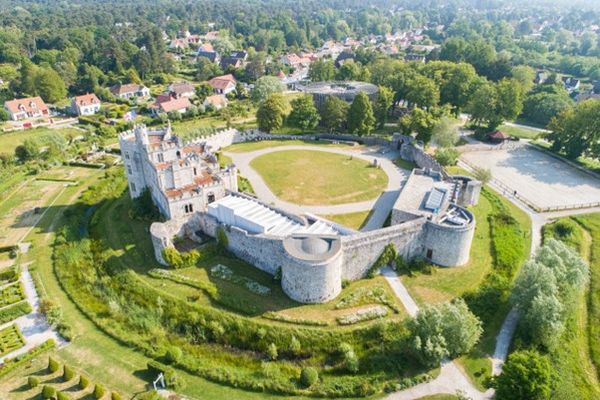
<point>319,178</point>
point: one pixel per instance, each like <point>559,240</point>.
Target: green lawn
<point>319,178</point>
<point>9,141</point>
<point>520,132</point>
<point>355,220</point>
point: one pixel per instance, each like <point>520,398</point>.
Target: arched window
<point>210,198</point>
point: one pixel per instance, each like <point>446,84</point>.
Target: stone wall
<point>450,245</point>
<point>363,249</point>
<point>312,282</point>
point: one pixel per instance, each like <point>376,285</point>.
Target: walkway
<point>381,206</point>
<point>33,326</point>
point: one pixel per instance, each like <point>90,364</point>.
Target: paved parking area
<point>539,178</point>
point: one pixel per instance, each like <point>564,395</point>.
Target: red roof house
<point>223,84</point>
<point>31,107</point>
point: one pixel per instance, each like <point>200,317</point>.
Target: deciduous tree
<point>361,120</point>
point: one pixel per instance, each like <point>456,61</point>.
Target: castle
<point>314,255</point>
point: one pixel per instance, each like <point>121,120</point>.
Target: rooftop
<point>255,217</point>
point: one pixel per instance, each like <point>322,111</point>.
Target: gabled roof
<point>86,100</point>
<point>174,105</point>
<point>498,135</point>
<point>29,104</point>
<point>216,100</point>
<point>181,87</point>
<point>222,82</point>
<point>127,88</point>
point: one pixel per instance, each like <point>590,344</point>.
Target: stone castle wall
<point>450,245</point>
<point>312,282</point>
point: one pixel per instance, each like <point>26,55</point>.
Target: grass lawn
<point>319,178</point>
<point>192,128</point>
<point>355,220</point>
<point>93,352</point>
<point>247,147</point>
<point>9,141</point>
<point>520,132</point>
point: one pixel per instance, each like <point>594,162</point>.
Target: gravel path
<point>400,291</point>
<point>380,206</point>
<point>33,326</point>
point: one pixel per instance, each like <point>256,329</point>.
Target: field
<point>23,207</point>
<point>319,178</point>
<point>355,220</point>
<point>264,144</point>
<point>9,141</point>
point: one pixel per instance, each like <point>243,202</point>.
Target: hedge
<point>99,391</point>
<point>15,311</point>
<point>33,381</point>
<point>12,363</point>
<point>84,382</point>
<point>53,365</point>
<point>48,392</point>
<point>68,373</point>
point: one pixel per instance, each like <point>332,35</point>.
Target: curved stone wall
<point>450,246</point>
<point>311,277</point>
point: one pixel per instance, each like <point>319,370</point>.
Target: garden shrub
<point>174,354</point>
<point>99,391</point>
<point>447,157</point>
<point>143,207</point>
<point>63,396</point>
<point>222,239</point>
<point>68,373</point>
<point>14,311</point>
<point>387,257</point>
<point>178,260</point>
<point>33,381</point>
<point>272,351</point>
<point>48,392</point>
<point>308,376</point>
<point>53,365</point>
<point>115,396</point>
<point>84,382</point>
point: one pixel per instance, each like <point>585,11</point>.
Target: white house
<point>130,90</point>
<point>87,104</point>
<point>224,84</point>
<point>30,107</point>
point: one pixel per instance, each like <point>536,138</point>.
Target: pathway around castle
<point>33,326</point>
<point>381,206</point>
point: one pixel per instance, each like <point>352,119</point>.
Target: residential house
<point>239,54</point>
<point>30,107</point>
<point>211,36</point>
<point>178,44</point>
<point>207,50</point>
<point>295,61</point>
<point>571,84</point>
<point>415,57</point>
<point>130,90</point>
<point>167,104</point>
<point>230,62</point>
<point>224,84</point>
<point>216,101</point>
<point>87,104</point>
<point>181,89</point>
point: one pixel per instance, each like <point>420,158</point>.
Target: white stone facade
<point>183,178</point>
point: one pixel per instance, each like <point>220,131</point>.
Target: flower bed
<point>365,314</point>
<point>10,339</point>
<point>11,294</point>
<point>362,296</point>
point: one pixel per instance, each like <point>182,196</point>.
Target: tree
<point>385,100</point>
<point>49,85</point>
<point>525,376</point>
<point>29,150</point>
<point>203,90</point>
<point>576,131</point>
<point>304,113</point>
<point>422,92</point>
<point>361,120</point>
<point>350,71</point>
<point>334,114</point>
<point>270,113</point>
<point>494,103</point>
<point>309,376</point>
<point>541,107</point>
<point>420,121</point>
<point>484,175</point>
<point>206,69</point>
<point>321,70</point>
<point>447,156</point>
<point>265,87</point>
<point>4,115</point>
<point>525,75</point>
<point>445,132</point>
<point>448,329</point>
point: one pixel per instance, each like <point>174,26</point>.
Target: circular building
<point>345,90</point>
<point>312,272</point>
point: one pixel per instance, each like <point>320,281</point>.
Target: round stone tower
<point>312,272</point>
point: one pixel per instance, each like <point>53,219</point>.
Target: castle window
<point>188,208</point>
<point>127,155</point>
<point>178,154</point>
<point>191,208</point>
<point>211,198</point>
<point>160,157</point>
<point>132,187</point>
<point>429,254</point>
<point>129,170</point>
<point>195,171</point>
